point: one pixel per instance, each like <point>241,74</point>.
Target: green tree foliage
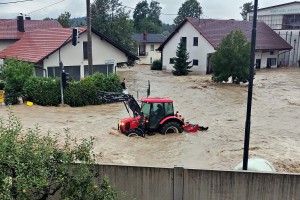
<point>181,64</point>
<point>15,74</point>
<point>156,65</point>
<point>46,91</point>
<point>246,8</point>
<point>64,19</point>
<point>110,18</point>
<point>33,166</point>
<point>232,59</point>
<point>190,8</point>
<point>146,17</point>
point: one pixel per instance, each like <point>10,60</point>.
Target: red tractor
<point>154,115</point>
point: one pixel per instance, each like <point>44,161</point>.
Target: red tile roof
<point>215,30</point>
<point>9,30</point>
<point>37,45</point>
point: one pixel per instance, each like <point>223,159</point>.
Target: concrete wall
<point>177,183</point>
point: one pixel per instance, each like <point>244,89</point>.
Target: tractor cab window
<point>157,114</point>
<point>169,110</point>
<point>146,109</point>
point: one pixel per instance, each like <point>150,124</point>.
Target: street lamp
<point>250,88</point>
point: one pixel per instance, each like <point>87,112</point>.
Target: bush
<point>232,59</point>
<point>156,65</point>
<point>15,74</point>
<point>37,167</point>
<point>2,85</point>
<point>43,91</point>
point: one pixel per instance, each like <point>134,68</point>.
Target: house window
<point>152,47</point>
<point>271,62</point>
<point>195,62</point>
<point>85,50</point>
<point>151,60</point>
<point>195,41</point>
<point>271,52</point>
<point>183,40</point>
<point>171,60</point>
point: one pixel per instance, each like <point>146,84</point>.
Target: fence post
<point>178,182</point>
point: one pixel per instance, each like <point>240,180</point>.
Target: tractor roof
<point>156,100</point>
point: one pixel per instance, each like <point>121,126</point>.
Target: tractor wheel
<point>171,127</point>
<point>135,132</point>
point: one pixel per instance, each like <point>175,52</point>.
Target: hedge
<point>46,91</point>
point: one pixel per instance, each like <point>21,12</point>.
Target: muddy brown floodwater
<point>275,121</point>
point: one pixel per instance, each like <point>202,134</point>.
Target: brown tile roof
<point>215,30</point>
<point>37,45</point>
<point>9,30</point>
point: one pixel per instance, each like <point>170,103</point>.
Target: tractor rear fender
<point>171,118</point>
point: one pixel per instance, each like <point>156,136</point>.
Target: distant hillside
<point>78,21</point>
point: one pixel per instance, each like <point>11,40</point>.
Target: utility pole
<point>89,37</point>
<point>250,88</point>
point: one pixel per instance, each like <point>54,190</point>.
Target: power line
<point>15,2</point>
<point>45,7</point>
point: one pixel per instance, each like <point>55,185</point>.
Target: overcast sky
<point>216,9</point>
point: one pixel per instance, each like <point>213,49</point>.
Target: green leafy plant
<point>42,91</point>
<point>15,74</point>
<point>33,166</point>
<point>232,59</point>
<point>156,65</point>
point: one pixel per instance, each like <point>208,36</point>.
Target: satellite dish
<point>257,164</point>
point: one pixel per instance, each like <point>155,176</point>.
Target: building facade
<point>203,36</point>
<point>284,19</point>
<point>147,45</point>
<point>45,48</point>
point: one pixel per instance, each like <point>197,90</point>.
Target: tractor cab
<point>156,110</point>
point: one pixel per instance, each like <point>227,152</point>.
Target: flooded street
<point>275,121</point>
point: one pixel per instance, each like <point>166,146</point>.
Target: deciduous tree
<point>232,59</point>
<point>110,18</point>
<point>146,17</point>
<point>246,8</point>
<point>64,19</point>
<point>190,8</point>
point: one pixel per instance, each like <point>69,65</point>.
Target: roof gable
<point>37,45</point>
<point>215,30</point>
<point>9,28</point>
<point>150,38</point>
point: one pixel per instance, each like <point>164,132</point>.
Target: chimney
<point>145,35</point>
<point>20,24</point>
<point>27,18</point>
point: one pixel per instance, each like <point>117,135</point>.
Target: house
<point>12,30</point>
<point>284,19</point>
<point>147,45</point>
<point>203,36</point>
<point>45,47</point>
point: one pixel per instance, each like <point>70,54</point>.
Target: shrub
<point>36,167</point>
<point>2,85</point>
<point>232,59</point>
<point>15,74</point>
<point>156,65</point>
<point>181,63</point>
<point>43,91</point>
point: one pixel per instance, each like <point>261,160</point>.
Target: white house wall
<point>73,55</point>
<point>150,55</point>
<point>195,52</point>
<point>4,44</point>
<point>264,57</point>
